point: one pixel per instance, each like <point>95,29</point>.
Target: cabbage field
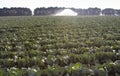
<point>60,46</point>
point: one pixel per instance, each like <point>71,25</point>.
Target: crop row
<point>47,42</point>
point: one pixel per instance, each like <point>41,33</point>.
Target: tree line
<point>19,11</point>
<point>15,11</point>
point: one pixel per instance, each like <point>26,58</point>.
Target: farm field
<point>60,46</point>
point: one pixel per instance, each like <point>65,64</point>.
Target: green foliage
<point>0,72</point>
<point>104,57</point>
<point>56,44</point>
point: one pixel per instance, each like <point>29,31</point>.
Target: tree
<point>15,11</point>
<point>47,11</point>
<point>108,12</point>
<point>118,12</point>
<point>94,11</point>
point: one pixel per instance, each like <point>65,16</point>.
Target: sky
<point>32,4</point>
